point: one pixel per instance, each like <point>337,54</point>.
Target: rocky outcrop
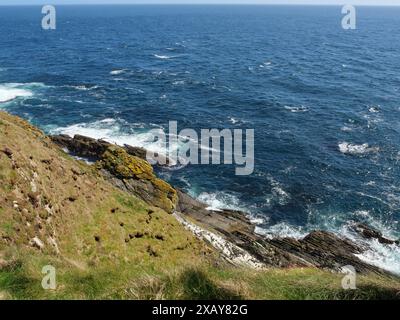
<point>320,249</point>
<point>127,169</point>
<point>136,176</point>
<point>92,149</point>
<point>83,146</point>
<point>371,233</point>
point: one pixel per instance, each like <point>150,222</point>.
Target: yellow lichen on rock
<point>139,178</point>
<point>120,163</point>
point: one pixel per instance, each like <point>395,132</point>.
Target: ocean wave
<point>282,230</point>
<point>119,132</point>
<point>356,149</point>
<point>82,87</point>
<point>178,82</point>
<point>383,256</point>
<point>163,57</point>
<point>346,129</point>
<point>117,72</point>
<point>278,194</point>
<point>266,64</point>
<point>297,109</point>
<point>12,91</point>
<point>374,109</point>
<point>233,120</point>
<point>221,200</point>
<point>9,94</point>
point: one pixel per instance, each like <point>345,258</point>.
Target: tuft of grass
<point>22,280</point>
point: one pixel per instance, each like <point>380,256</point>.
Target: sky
<point>316,2</point>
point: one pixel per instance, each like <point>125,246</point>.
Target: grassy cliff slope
<point>107,244</point>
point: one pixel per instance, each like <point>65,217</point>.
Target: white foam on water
<point>162,57</point>
<point>108,130</point>
<point>111,131</point>
<point>233,120</point>
<point>346,129</point>
<point>385,256</point>
<point>356,149</point>
<point>97,130</point>
<point>178,82</point>
<point>297,109</point>
<point>373,109</point>
<point>278,194</point>
<point>283,230</point>
<point>120,132</point>
<point>8,94</point>
<point>82,87</point>
<point>12,91</point>
<point>117,72</point>
<point>382,255</point>
<point>221,200</point>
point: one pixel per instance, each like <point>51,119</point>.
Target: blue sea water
<point>324,102</point>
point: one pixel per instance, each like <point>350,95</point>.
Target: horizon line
<point>203,4</point>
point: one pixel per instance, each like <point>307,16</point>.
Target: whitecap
<point>12,91</point>
<point>278,194</point>
<point>297,109</point>
<point>356,149</point>
<point>163,57</point>
<point>373,109</point>
<point>221,200</point>
<point>233,120</point>
<point>82,87</point>
<point>383,256</point>
<point>346,129</point>
<point>117,72</point>
<point>111,130</point>
<point>178,82</point>
<point>282,230</point>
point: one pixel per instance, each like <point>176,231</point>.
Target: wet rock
<point>136,151</point>
<point>371,233</point>
<point>81,145</point>
<point>319,249</point>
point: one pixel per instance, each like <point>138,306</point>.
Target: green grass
<point>7,227</point>
<point>22,280</point>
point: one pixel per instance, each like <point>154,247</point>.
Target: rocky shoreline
<point>230,232</point>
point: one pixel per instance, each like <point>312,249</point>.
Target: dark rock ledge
<point>127,168</point>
